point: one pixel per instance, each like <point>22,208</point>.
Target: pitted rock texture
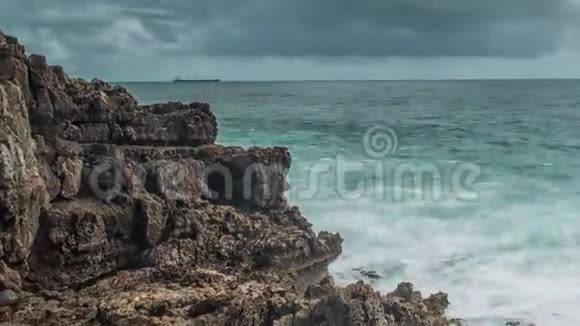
<point>113,213</point>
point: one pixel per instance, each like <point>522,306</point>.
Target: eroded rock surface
<point>113,213</point>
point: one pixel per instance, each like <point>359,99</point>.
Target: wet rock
<point>370,274</point>
<point>404,291</point>
<point>518,323</point>
<point>356,304</point>
<point>407,307</point>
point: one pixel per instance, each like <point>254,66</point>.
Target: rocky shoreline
<point>112,213</point>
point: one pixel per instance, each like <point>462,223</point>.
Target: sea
<point>467,187</point>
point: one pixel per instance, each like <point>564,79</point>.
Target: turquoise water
<point>502,233</point>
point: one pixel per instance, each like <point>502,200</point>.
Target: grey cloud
<point>393,28</point>
<point>91,35</point>
<point>328,28</point>
<point>376,28</point>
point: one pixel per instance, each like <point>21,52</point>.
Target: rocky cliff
<point>113,213</point>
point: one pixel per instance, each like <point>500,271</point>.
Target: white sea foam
<point>497,262</point>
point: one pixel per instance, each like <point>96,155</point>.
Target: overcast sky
<point>301,39</point>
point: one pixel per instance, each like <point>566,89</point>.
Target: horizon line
<point>350,80</point>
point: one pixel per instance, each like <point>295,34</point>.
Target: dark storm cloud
<point>74,29</point>
<point>311,28</point>
<point>511,28</point>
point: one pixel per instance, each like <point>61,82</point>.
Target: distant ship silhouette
<point>179,80</point>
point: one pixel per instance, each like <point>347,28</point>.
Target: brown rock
<point>151,219</point>
<point>81,240</point>
<point>253,178</point>
<point>22,190</point>
<point>70,172</point>
<point>176,180</point>
<point>7,64</point>
<point>408,307</point>
<point>52,182</point>
<point>9,278</point>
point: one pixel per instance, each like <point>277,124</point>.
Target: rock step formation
<point>113,213</point>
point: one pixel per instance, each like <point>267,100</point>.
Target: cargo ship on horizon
<point>179,80</point>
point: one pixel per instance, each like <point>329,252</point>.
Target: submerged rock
<point>113,213</point>
<point>369,274</point>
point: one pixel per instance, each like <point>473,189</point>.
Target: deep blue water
<point>498,229</point>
